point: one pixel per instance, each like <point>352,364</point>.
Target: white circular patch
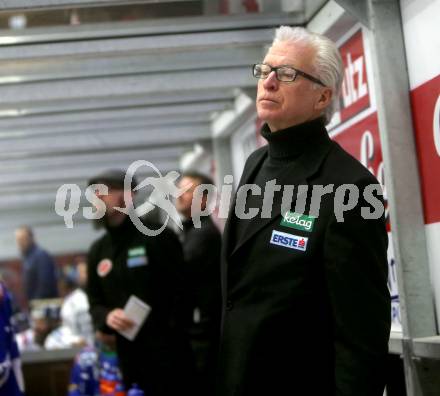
<point>104,267</point>
<point>436,126</point>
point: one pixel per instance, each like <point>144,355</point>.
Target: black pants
<point>158,373</point>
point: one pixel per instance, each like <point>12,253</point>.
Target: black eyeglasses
<point>283,73</point>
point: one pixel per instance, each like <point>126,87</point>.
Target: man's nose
<point>271,81</point>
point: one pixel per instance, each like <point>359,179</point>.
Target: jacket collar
<point>296,173</point>
<point>288,144</point>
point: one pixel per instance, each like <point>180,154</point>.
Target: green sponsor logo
<point>137,251</point>
<point>298,221</point>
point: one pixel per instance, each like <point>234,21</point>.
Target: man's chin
<point>266,115</point>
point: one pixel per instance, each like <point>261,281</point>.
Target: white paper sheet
<point>138,311</point>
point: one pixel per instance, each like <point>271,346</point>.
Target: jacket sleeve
<point>98,308</point>
<point>355,253</point>
<point>207,258</point>
<point>174,288</point>
<point>46,284</point>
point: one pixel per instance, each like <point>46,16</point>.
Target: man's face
<point>82,274</point>
<point>23,239</point>
<point>41,329</point>
<point>114,199</point>
<point>184,201</point>
<point>285,104</point>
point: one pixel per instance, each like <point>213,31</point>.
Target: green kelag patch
<point>298,221</point>
<point>137,251</point>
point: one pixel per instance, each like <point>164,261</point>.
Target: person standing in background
<point>75,308</point>
<point>201,251</point>
<point>39,272</point>
<point>126,264</point>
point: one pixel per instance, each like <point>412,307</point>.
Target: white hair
<point>327,63</point>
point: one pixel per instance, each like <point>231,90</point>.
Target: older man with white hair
<point>306,307</point>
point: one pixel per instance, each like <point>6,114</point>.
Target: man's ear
<point>324,98</point>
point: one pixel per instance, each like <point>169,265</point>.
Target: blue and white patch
<point>137,261</point>
<point>288,240</point>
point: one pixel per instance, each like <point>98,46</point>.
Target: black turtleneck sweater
<point>284,148</point>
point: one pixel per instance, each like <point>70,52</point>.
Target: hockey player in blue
<point>11,378</point>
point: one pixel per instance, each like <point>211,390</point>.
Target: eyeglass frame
<point>297,72</point>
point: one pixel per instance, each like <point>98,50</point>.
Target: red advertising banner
<point>354,94</point>
<point>425,102</point>
<point>362,141</point>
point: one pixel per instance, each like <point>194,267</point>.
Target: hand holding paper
<point>137,312</point>
<point>118,320</point>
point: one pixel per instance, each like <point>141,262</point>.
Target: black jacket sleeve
<point>355,254</point>
<point>205,258</point>
<point>98,309</point>
<point>172,278</point>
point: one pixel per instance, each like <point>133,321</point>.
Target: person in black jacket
<point>306,308</point>
<point>201,250</point>
<point>125,262</point>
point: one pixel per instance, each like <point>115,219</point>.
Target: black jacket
<point>151,269</point>
<point>202,247</point>
<point>313,322</point>
<point>201,251</point>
